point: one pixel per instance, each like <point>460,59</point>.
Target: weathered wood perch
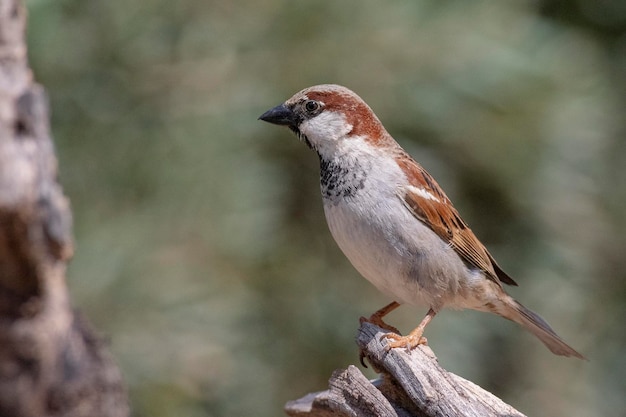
<point>411,384</point>
<point>52,363</point>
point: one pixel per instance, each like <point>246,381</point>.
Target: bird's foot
<point>374,319</point>
<point>413,339</point>
<point>410,341</point>
<point>377,319</point>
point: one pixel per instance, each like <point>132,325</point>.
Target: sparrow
<point>394,222</point>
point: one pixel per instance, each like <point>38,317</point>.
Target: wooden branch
<point>411,384</point>
<point>52,363</point>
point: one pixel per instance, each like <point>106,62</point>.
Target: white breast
<point>393,250</point>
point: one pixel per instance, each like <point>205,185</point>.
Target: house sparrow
<point>393,221</point>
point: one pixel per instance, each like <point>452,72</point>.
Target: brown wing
<point>428,203</point>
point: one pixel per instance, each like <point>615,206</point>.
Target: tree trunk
<point>51,361</point>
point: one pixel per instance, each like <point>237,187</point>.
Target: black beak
<point>280,115</point>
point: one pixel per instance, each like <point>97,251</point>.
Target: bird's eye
<point>311,106</point>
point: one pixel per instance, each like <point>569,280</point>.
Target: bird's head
<point>326,115</point>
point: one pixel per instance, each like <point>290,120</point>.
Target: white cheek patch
<point>326,126</point>
<point>423,193</point>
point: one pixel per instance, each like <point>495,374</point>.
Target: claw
<point>361,357</point>
<point>413,339</point>
<point>409,342</point>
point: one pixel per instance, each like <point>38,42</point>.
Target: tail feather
<point>532,322</point>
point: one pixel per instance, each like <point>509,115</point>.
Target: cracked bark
<point>411,384</point>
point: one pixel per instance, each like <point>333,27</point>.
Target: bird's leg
<point>377,317</point>
<point>413,339</point>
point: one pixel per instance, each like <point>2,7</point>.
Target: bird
<point>393,221</point>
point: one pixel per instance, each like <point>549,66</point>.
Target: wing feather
<point>428,203</point>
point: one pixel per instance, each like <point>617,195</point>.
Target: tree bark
<point>411,384</point>
<point>52,363</point>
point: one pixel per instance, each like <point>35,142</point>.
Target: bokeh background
<point>202,250</point>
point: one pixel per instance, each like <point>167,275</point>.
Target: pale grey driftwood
<point>411,384</point>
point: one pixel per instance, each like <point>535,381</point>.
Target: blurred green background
<point>202,250</point>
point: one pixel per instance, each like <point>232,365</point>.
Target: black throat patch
<point>341,180</point>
